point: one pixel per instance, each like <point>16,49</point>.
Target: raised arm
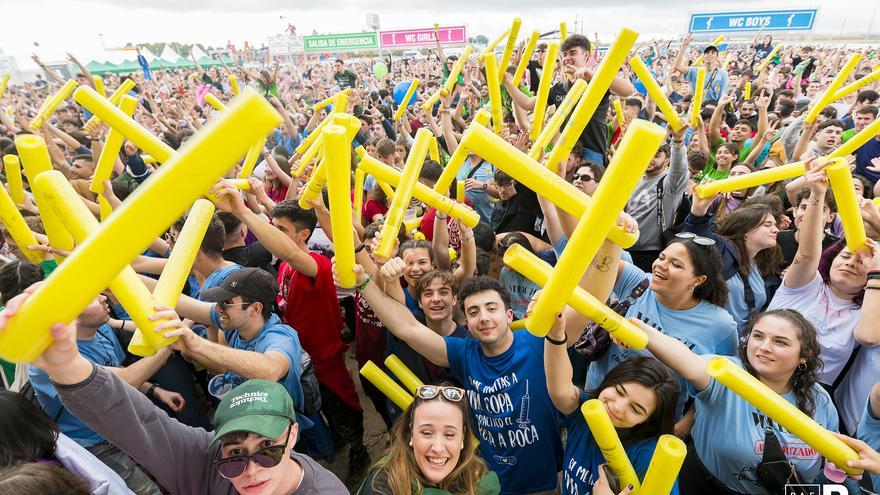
<point>867,332</point>
<point>803,142</point>
<point>468,261</point>
<point>678,64</point>
<point>717,118</point>
<point>519,98</point>
<point>49,72</point>
<point>558,371</point>
<point>806,260</point>
<point>82,69</point>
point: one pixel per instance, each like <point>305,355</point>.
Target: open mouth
<point>438,461</point>
<point>658,276</point>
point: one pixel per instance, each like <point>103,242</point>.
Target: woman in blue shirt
<point>781,351</point>
<point>640,396</point>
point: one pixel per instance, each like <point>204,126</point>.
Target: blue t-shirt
<point>864,155</point>
<point>413,305</point>
<point>729,435</point>
<point>104,350</point>
<point>715,83</point>
<point>479,198</point>
<point>705,328</point>
<point>278,337</point>
<point>516,423</point>
<point>290,142</point>
<point>213,280</point>
<point>582,457</point>
<point>869,432</point>
<point>521,290</point>
<point>736,300</point>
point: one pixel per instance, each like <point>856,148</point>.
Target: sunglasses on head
<point>702,241</point>
<point>428,392</point>
<point>233,467</point>
<point>583,177</point>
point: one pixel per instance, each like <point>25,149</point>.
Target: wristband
<point>874,275</point>
<point>556,342</point>
<point>360,248</point>
<point>363,285</point>
<point>151,391</point>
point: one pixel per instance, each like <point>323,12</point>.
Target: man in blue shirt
<point>716,83</point>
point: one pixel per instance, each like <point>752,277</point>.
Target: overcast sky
<point>75,25</point>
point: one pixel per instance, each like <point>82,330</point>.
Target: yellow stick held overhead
<point>3,84</point>
<point>338,169</point>
<point>609,443</point>
<point>141,218</point>
<point>783,412</point>
<point>635,152</point>
<point>508,48</point>
<point>494,94</point>
<point>665,464</point>
<point>449,85</point>
<point>856,142</point>
<point>12,169</point>
<point>124,88</point>
<point>544,90</point>
<point>404,374</point>
<point>413,86</point>
<point>18,229</point>
<point>752,179</point>
<point>656,93</point>
<point>333,100</point>
<point>832,89</point>
<point>460,191</point>
<point>233,84</point>
<point>99,85</point>
<point>526,57</point>
<point>490,48</point>
<point>714,43</point>
<point>215,102</point>
<point>768,59</point>
<point>602,78</point>
<point>559,116</point>
<point>697,103</point>
<point>747,92</point>
<point>359,177</point>
<point>618,110</point>
<point>250,160</point>
<point>856,85</point>
<point>563,31</point>
<point>389,387</point>
<point>52,104</point>
<point>110,151</point>
<point>847,204</point>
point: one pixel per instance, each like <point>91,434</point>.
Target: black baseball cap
<point>710,48</point>
<point>253,283</point>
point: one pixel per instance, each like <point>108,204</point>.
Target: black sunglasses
<point>582,177</point>
<point>233,467</point>
<point>225,304</point>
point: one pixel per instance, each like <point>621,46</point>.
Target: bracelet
<point>360,248</point>
<point>363,285</point>
<point>874,275</point>
<point>556,342</point>
<point>439,217</point>
<point>872,287</point>
<point>152,390</point>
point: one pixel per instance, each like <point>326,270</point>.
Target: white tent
<point>169,54</point>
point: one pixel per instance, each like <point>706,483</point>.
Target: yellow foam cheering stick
<point>783,412</point>
<point>123,89</point>
<point>334,100</point>
<point>212,100</point>
<point>856,142</point>
<point>752,179</point>
<point>656,93</point>
<point>525,58</point>
<point>359,177</point>
<point>828,95</point>
<point>449,85</point>
<point>857,85</point>
<point>618,110</point>
<point>494,94</point>
<point>109,155</point>
<point>559,116</point>
<point>460,192</point>
<point>318,178</point>
<point>250,159</point>
<point>386,385</point>
<point>513,32</point>
<point>697,102</point>
<point>563,31</point>
<point>635,152</point>
<point>233,84</point>
<point>603,76</point>
<point>714,43</point>
<point>336,151</point>
<point>665,464</point>
<point>747,92</point>
<point>847,204</point>
<point>609,443</point>
<point>18,228</point>
<point>35,159</point>
<point>403,193</point>
<point>51,104</point>
<point>141,218</point>
<point>768,59</point>
<point>544,90</point>
<point>404,374</point>
<point>12,169</point>
<point>99,85</point>
<point>3,84</point>
<point>539,272</point>
<point>413,86</point>
<point>531,174</point>
<point>490,48</point>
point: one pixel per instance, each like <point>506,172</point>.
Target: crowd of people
<point>256,394</point>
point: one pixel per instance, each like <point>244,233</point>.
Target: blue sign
<point>769,20</point>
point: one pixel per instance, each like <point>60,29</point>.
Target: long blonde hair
<point>399,471</point>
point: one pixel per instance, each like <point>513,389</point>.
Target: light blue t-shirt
<point>869,432</point>
<point>716,83</point>
<point>729,435</point>
<point>582,456</point>
<point>736,301</point>
<point>104,350</point>
<point>479,198</point>
<point>705,328</point>
<point>515,421</point>
<point>521,290</point>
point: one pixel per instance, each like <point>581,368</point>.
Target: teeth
<point>437,461</point>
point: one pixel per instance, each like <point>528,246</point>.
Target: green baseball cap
<point>255,406</point>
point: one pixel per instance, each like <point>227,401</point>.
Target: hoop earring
<point>803,366</point>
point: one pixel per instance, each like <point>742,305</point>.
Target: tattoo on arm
<point>604,264</point>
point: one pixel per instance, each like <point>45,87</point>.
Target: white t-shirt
<point>835,320</point>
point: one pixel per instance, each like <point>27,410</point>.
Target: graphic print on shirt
<point>500,422</point>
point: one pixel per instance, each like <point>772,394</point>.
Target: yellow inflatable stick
<point>517,325</point>
<point>386,188</point>
<point>434,149</point>
<point>531,174</point>
<point>490,48</point>
<point>752,179</point>
<point>389,387</point>
<point>539,272</point>
<point>747,92</point>
<point>618,110</point>
<point>12,169</point>
<point>359,177</point>
<point>714,43</point>
<point>141,218</point>
<point>212,100</point>
<point>633,155</point>
<point>413,86</point>
<point>697,103</point>
<point>665,464</point>
<point>609,443</point>
<point>526,57</point>
<point>3,84</point>
<point>827,97</point>
<point>313,151</point>
<point>847,204</point>
<point>383,173</point>
<point>403,374</point>
<point>233,84</point>
<point>123,89</point>
<point>319,174</point>
<point>556,121</point>
<point>856,142</point>
<point>656,93</point>
<point>412,225</point>
<point>494,94</point>
<point>336,152</point>
<point>783,412</point>
<point>544,90</point>
<point>851,87</point>
<point>768,59</point>
<point>99,85</point>
<point>452,79</point>
<point>109,155</point>
<point>508,48</point>
<point>602,78</point>
<point>403,193</point>
<point>52,104</point>
<point>149,159</point>
<point>333,100</point>
<point>563,31</point>
<point>250,160</point>
<point>456,160</point>
<point>460,192</point>
<point>18,229</point>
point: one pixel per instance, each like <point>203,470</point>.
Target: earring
<point>745,238</point>
<point>803,366</point>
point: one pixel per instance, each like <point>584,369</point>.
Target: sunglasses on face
<point>702,241</point>
<point>583,177</point>
<point>233,467</point>
<point>428,392</point>
<point>223,305</point>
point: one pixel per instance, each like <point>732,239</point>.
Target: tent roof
<point>169,54</point>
